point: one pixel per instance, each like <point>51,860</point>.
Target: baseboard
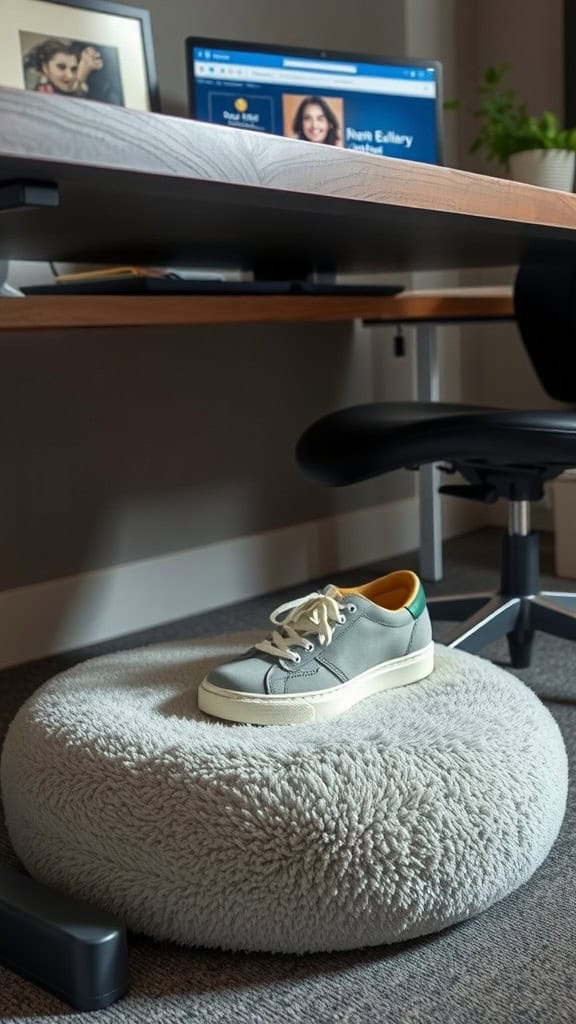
<point>76,611</point>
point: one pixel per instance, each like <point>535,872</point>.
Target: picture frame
<point>89,49</point>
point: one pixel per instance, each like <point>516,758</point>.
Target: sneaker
<point>330,651</point>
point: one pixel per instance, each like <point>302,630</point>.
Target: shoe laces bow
<point>314,615</point>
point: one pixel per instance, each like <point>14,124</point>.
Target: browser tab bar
<point>314,79</point>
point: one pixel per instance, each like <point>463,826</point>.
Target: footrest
<point>75,951</point>
<point>188,796</point>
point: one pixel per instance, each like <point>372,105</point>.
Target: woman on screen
<point>62,67</point>
<point>314,121</point>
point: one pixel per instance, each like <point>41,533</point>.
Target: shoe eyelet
<point>297,659</point>
<point>341,619</point>
<point>310,647</point>
<point>351,608</point>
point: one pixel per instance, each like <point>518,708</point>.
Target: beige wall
<point>528,36</point>
<point>369,26</point>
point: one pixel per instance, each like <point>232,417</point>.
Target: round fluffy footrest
<point>418,808</point>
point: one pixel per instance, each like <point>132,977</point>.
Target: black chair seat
<point>367,440</point>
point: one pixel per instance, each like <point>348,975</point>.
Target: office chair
<point>500,453</point>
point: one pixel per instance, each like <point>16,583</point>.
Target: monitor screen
<point>379,105</point>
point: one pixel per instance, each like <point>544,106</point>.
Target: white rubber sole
<point>315,706</point>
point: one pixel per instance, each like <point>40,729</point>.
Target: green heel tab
<point>418,604</point>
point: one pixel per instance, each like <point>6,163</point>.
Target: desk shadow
<point>123,445</point>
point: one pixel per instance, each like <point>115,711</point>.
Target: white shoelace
<point>313,615</point>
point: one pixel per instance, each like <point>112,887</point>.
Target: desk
<point>138,187</point>
<point>187,193</point>
<point>37,313</point>
<point>126,186</point>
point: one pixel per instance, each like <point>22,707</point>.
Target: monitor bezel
<point>318,54</point>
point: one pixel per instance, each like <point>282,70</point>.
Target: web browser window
<point>383,108</point>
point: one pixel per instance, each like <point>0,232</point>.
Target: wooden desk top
<point>54,311</point>
<point>147,188</point>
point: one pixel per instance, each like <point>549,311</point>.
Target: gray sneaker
<point>330,650</point>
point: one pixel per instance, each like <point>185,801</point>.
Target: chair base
<point>484,618</point>
<point>516,611</point>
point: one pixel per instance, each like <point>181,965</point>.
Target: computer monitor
<point>381,105</point>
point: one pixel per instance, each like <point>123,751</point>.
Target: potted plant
<point>535,150</point>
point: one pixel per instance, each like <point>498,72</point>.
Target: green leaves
<point>506,126</point>
<point>567,139</point>
<point>493,75</point>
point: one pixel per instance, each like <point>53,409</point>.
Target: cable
<point>399,341</point>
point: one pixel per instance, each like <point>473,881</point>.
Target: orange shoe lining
<point>393,591</point>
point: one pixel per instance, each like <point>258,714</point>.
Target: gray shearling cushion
<point>419,808</point>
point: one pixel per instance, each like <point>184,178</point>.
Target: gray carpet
<point>512,965</point>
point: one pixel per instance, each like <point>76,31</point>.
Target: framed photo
<point>89,49</point>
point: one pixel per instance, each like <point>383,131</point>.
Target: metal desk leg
<point>428,390</point>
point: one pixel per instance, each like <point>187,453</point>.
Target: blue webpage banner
<point>378,109</point>
<point>235,110</point>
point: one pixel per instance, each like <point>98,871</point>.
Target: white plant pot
<point>549,168</point>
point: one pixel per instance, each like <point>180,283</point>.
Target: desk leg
<point>428,390</point>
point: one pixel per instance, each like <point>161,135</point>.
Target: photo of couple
<point>71,67</point>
